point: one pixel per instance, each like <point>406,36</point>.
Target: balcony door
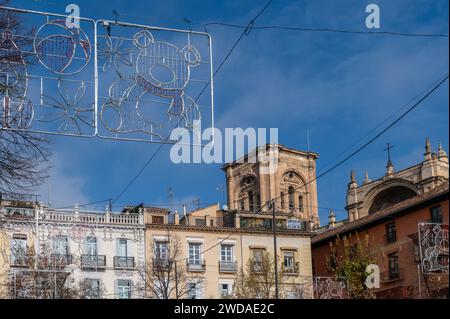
<point>226,253</point>
<point>60,246</point>
<point>91,246</point>
<point>122,247</point>
<point>19,251</point>
<point>194,253</point>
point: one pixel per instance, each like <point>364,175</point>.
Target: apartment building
<point>100,251</point>
<point>211,251</point>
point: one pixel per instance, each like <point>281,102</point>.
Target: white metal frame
<point>95,81</point>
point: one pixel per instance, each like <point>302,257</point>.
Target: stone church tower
<point>393,187</point>
<point>250,185</point>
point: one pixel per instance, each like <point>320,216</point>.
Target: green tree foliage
<point>348,259</point>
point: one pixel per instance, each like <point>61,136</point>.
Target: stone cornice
<point>221,230</point>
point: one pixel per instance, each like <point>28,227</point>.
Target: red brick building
<point>390,213</point>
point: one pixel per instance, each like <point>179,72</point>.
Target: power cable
<point>278,27</point>
<point>272,201</point>
<point>246,31</point>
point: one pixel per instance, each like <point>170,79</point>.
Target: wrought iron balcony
<point>97,262</point>
<point>228,266</point>
<point>161,264</point>
<point>123,262</point>
<point>257,267</point>
<point>291,270</point>
<point>195,265</point>
<point>20,260</point>
<point>61,260</point>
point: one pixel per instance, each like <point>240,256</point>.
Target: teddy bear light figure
<point>162,71</point>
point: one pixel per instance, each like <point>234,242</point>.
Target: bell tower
<point>291,181</point>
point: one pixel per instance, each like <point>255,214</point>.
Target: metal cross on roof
<point>388,149</point>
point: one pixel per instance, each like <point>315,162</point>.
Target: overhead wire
<point>399,118</point>
<point>278,27</point>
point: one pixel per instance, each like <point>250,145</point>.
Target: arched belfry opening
<point>389,197</point>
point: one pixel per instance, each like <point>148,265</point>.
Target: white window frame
<point>123,289</point>
<point>60,245</point>
<point>91,246</point>
<point>229,255</point>
<point>195,259</point>
<point>161,250</point>
<point>23,244</point>
<point>227,282</point>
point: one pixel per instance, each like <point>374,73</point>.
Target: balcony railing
<point>195,265</point>
<point>256,267</point>
<point>91,217</point>
<point>93,262</point>
<point>54,261</point>
<point>20,260</point>
<point>228,266</point>
<point>123,262</point>
<point>160,264</point>
<point>291,270</point>
<point>391,275</point>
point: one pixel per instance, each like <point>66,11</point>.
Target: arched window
<point>282,200</point>
<point>251,204</point>
<point>242,205</point>
<point>291,197</point>
<point>300,203</point>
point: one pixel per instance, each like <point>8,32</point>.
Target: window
<point>257,260</point>
<point>258,201</point>
<point>122,247</point>
<point>282,200</point>
<point>91,246</point>
<point>93,288</point>
<point>289,262</point>
<point>226,253</point>
<point>225,289</point>
<point>391,232</point>
<point>353,251</point>
<point>192,291</point>
<point>332,262</point>
<point>124,289</point>
<point>161,250</point>
<point>157,219</point>
<point>200,222</point>
<point>60,245</point>
<point>291,197</point>
<point>194,253</point>
<point>300,203</point>
<point>436,215</point>
<point>211,223</point>
<point>19,250</point>
<point>394,271</point>
<point>251,204</point>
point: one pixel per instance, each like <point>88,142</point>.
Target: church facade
<point>394,187</point>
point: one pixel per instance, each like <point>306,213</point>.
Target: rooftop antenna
<point>170,196</point>
<point>307,139</point>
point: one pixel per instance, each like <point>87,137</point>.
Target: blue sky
<point>337,86</point>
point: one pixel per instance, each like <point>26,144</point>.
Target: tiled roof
<point>408,203</point>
